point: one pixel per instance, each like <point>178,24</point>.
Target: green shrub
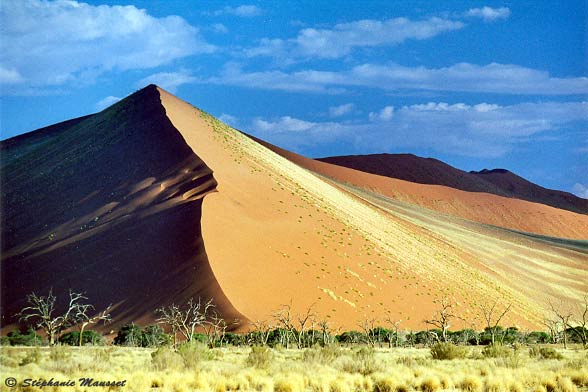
<point>496,351</point>
<point>16,338</point>
<point>445,351</point>
<point>259,357</point>
<point>154,336</point>
<point>544,353</point>
<point>129,335</point>
<point>88,337</point>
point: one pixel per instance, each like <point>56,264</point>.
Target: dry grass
<point>231,369</point>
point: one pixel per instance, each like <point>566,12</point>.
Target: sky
<point>476,84</point>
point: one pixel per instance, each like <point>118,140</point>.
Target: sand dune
<point>276,234</point>
<point>486,208</point>
<point>153,201</point>
<point>431,171</point>
<point>109,205</point>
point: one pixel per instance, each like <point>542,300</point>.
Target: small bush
<point>322,355</point>
<point>259,357</point>
<point>544,353</point>
<point>496,351</point>
<point>193,353</point>
<point>430,384</point>
<point>16,338</point>
<point>59,353</point>
<point>33,356</point>
<point>88,337</point>
<point>154,336</point>
<point>166,359</point>
<point>129,335</point>
<point>363,362</point>
<point>470,384</point>
<point>444,351</point>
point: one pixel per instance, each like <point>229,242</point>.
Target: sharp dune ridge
<point>488,208</point>
<point>431,171</point>
<point>153,201</point>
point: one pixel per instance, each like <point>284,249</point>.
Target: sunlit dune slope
<point>108,205</point>
<point>277,233</point>
<point>487,208</point>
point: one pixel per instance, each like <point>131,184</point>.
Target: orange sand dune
<point>276,234</point>
<point>487,208</point>
<point>153,201</point>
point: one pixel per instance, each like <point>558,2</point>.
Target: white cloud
<point>66,42</point>
<point>244,11</point>
<point>458,128</point>
<point>229,120</point>
<point>219,28</point>
<point>106,102</point>
<point>580,190</point>
<point>489,14</point>
<point>341,110</point>
<point>169,81</point>
<point>463,77</point>
<point>10,76</point>
<point>385,114</point>
<point>340,40</point>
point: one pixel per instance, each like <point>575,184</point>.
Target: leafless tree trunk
<point>263,331</point>
<point>395,324</point>
<point>186,320</point>
<point>493,317</point>
<point>367,326</point>
<point>42,312</point>
<point>303,320</point>
<point>442,318</point>
<point>83,318</point>
<point>285,322</point>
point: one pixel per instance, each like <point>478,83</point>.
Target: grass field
<point>197,368</point>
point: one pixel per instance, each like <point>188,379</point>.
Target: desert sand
<point>276,234</point>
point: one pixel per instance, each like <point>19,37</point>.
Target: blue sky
<point>477,84</point>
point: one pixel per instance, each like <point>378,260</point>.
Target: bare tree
<point>554,327</point>
<point>303,320</point>
<point>172,316</point>
<point>83,317</point>
<point>442,318</point>
<point>368,326</point>
<point>41,310</point>
<point>493,316</point>
<point>284,319</point>
<point>395,324</point>
<point>262,331</point>
<point>581,321</point>
<point>186,320</point>
<point>576,324</point>
<point>325,327</point>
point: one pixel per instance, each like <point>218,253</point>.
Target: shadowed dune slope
<point>500,182</point>
<point>277,234</point>
<point>486,208</point>
<point>110,205</point>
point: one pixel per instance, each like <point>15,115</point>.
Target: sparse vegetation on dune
<point>197,368</point>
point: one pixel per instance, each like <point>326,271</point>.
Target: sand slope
<point>276,234</point>
<point>486,208</point>
<point>109,205</point>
